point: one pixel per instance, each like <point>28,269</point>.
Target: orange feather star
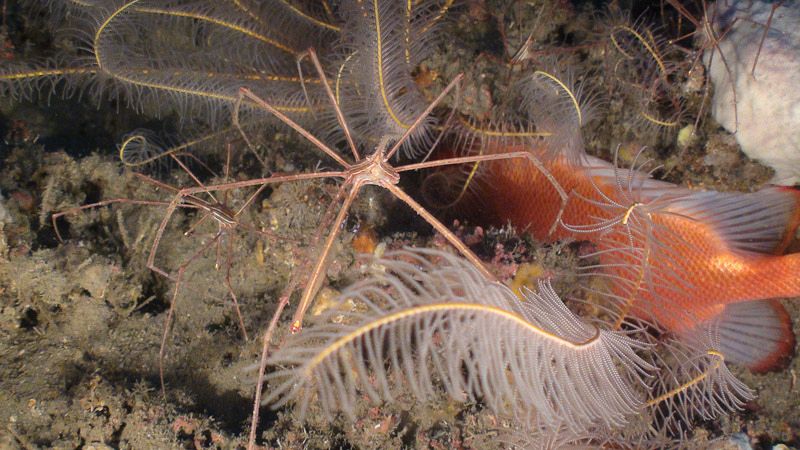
<point>679,258</point>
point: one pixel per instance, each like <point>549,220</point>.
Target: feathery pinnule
<point>683,255</point>
<point>189,57</point>
<point>382,42</point>
<point>632,258</point>
<point>561,105</point>
<point>444,326</point>
<point>547,115</point>
<point>704,256</point>
<point>641,69</point>
<point>693,382</point>
<point>634,436</point>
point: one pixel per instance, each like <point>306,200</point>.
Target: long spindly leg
<point>54,218</point>
<point>228,264</point>
<point>315,280</point>
<point>418,121</point>
<point>196,224</point>
<point>145,178</point>
<point>171,207</point>
<point>246,93</point>
<point>261,183</point>
<point>171,312</point>
<point>501,156</point>
<point>336,108</point>
<point>180,198</point>
<point>767,27</point>
<point>238,125</point>
<point>328,224</point>
<point>225,197</point>
<point>443,230</point>
<point>283,300</point>
<point>192,176</point>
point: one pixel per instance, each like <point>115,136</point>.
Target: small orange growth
<point>365,241</point>
<point>296,327</point>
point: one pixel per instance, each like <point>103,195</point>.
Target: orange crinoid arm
<point>678,257</point>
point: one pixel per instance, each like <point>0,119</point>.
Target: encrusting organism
<point>753,65</point>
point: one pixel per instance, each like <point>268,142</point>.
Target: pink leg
<point>228,263</point>
<point>171,312</point>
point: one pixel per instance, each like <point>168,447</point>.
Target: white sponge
<point>767,104</point>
